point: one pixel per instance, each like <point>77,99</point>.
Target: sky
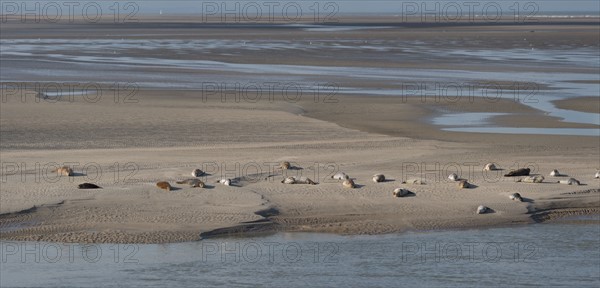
<point>376,6</point>
<point>340,7</point>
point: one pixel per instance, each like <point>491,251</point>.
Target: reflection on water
<point>555,71</point>
<point>535,255</point>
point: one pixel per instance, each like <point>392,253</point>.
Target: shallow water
<point>543,255</point>
<point>165,63</point>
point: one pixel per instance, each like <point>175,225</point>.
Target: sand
<point>167,133</point>
<point>582,104</point>
<point>182,135</point>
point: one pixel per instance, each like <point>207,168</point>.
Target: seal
<point>64,171</point>
<point>414,182</point>
<point>463,184</point>
<point>88,186</point>
<point>597,175</point>
<point>340,176</point>
<point>570,181</point>
<point>516,197</point>
<point>482,209</point>
<point>555,173</point>
<point>285,165</point>
<point>378,178</point>
<point>490,167</point>
<point>532,179</point>
<point>164,185</point>
<point>194,183</point>
<point>348,183</point>
<point>197,173</point>
<point>518,172</point>
<point>299,180</point>
<point>224,181</point>
<point>400,192</point>
<point>453,177</point>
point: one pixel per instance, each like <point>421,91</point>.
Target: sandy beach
<point>166,133</point>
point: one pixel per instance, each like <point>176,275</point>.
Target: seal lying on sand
<point>64,171</point>
<point>400,192</point>
<point>224,181</point>
<point>453,177</point>
<point>482,209</point>
<point>340,176</point>
<point>597,175</point>
<point>298,180</point>
<point>164,185</point>
<point>464,184</point>
<point>516,197</point>
<point>490,167</point>
<point>518,172</point>
<point>194,183</point>
<point>285,165</point>
<point>414,182</point>
<point>88,186</point>
<point>378,178</point>
<point>348,183</point>
<point>197,173</point>
<point>570,181</point>
<point>532,179</point>
<point>555,173</point>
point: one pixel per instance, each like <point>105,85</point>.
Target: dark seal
<point>88,186</point>
<point>518,172</point>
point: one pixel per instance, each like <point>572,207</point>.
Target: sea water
<point>542,255</point>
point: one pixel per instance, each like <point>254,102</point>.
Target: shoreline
<point>266,228</point>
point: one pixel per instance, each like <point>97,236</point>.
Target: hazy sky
<point>589,7</point>
<point>392,6</point>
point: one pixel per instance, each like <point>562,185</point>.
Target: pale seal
<point>570,181</point>
<point>518,172</point>
<point>400,192</point>
<point>164,185</point>
<point>453,177</point>
<point>64,171</point>
<point>340,176</point>
<point>414,182</point>
<point>490,167</point>
<point>555,173</point>
<point>88,186</point>
<point>348,183</point>
<point>224,181</point>
<point>378,178</point>
<point>597,175</point>
<point>532,179</point>
<point>298,180</point>
<point>482,209</point>
<point>516,197</point>
<point>197,173</point>
<point>194,183</point>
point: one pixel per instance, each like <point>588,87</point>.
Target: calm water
<point>544,255</point>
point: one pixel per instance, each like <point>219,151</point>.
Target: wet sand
<point>583,104</point>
